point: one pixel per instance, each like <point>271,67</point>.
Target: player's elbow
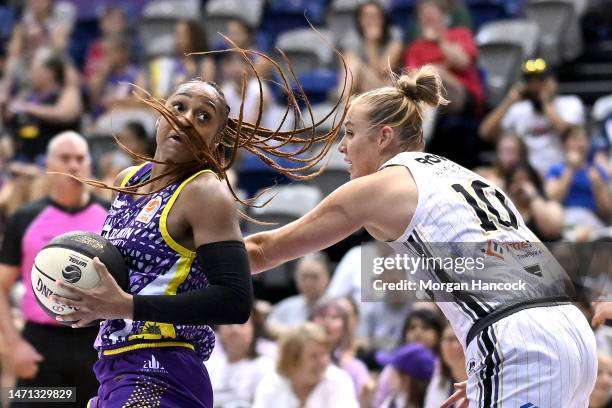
<point>242,306</point>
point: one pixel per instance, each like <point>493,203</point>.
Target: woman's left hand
<point>104,301</point>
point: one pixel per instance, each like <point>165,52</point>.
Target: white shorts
<point>543,357</point>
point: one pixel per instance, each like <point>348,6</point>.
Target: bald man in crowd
<point>47,354</point>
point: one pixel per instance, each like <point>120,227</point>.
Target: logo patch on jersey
<point>149,210</point>
<point>153,365</point>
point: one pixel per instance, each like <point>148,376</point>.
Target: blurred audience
<point>453,51</point>
<point>333,316</point>
<point>134,136</point>
<point>111,85</point>
<point>577,182</point>
<point>239,368</point>
<point>51,105</point>
<point>457,15</point>
<point>112,24</point>
<point>509,151</point>
<point>375,51</point>
<point>533,110</point>
<point>165,73</point>
<point>311,278</point>
<point>450,369</point>
<point>544,217</point>
<point>412,366</point>
<point>601,397</point>
<point>304,376</point>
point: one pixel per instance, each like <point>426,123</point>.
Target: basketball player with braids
<point>175,223</point>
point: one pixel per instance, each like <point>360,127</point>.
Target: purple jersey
<point>157,265</point>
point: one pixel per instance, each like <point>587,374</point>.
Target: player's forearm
<point>261,257</point>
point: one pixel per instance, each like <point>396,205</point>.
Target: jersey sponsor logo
<point>148,212</point>
<point>153,365</point>
<point>528,405</point>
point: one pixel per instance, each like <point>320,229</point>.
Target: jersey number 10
<point>487,218</point>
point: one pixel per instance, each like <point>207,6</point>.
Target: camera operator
<point>533,110</point>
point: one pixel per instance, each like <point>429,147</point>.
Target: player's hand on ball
<point>459,397</point>
<point>24,359</point>
<point>603,312</point>
<point>104,301</point>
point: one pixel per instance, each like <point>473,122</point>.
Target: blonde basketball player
<point>539,353</point>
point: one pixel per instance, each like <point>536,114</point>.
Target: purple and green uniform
<point>148,363</point>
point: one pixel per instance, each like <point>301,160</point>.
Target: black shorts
<point>69,357</point>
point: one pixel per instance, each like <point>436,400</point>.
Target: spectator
<point>600,397</point>
<point>134,136</point>
<point>458,15</point>
<point>110,164</point>
<point>239,368</point>
<point>304,376</point>
<point>578,182</point>
<point>375,51</point>
<point>17,189</point>
<point>382,322</point>
<point>533,110</point>
<point>111,85</point>
<point>242,34</point>
<point>412,366</point>
<point>48,354</point>
<point>334,318</point>
<point>422,326</point>
<point>113,23</point>
<point>542,216</point>
<point>52,105</point>
<point>425,327</point>
<point>453,51</point>
<point>312,277</point>
<point>510,150</point>
<point>165,73</point>
<point>233,67</point>
<point>450,370</point>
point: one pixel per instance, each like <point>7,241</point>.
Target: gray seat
<point>602,108</point>
<point>219,12</point>
<point>335,172</point>
<point>341,18</point>
<point>560,36</point>
<point>289,204</point>
<point>115,120</point>
<point>503,46</point>
<point>306,49</point>
<point>172,9</point>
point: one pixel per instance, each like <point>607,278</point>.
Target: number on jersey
<point>490,218</point>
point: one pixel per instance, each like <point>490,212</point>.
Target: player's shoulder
<point>207,188</point>
<point>124,175</point>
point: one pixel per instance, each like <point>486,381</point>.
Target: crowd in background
<point>322,346</point>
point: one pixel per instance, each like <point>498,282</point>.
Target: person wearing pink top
<point>47,354</point>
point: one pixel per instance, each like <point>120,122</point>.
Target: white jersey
<point>460,214</point>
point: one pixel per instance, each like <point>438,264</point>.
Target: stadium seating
<point>289,203</point>
<point>219,12</point>
<point>560,37</point>
<point>341,17</point>
<point>306,49</point>
<point>503,45</point>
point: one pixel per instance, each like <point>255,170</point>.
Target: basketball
<point>70,257</point>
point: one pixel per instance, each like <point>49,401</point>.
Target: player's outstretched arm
<point>376,201</point>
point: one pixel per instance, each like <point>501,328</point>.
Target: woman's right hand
<point>459,397</point>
